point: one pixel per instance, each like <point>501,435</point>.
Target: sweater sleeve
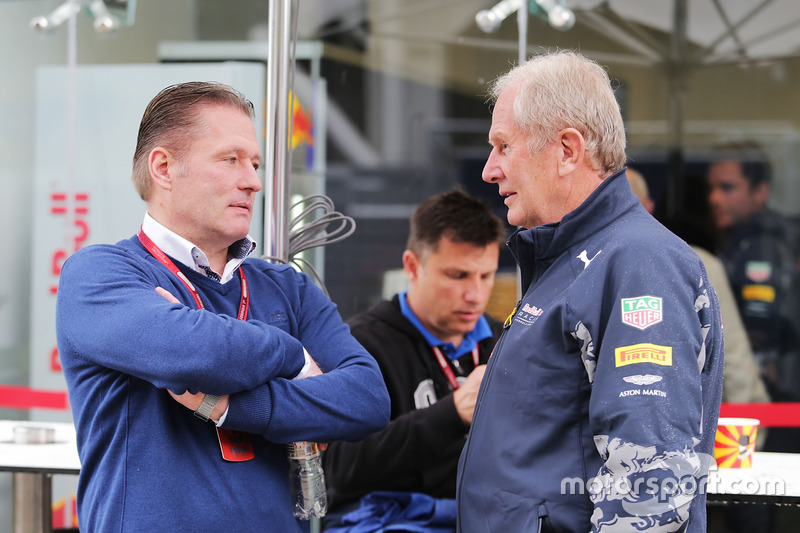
<point>645,355</point>
<point>348,401</point>
<point>108,314</point>
<point>112,318</point>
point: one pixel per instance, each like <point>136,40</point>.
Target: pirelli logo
<point>643,353</point>
<point>760,293</point>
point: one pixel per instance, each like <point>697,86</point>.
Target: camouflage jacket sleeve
<point>646,355</point>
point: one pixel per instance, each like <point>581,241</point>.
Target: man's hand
<point>168,295</point>
<point>187,399</point>
<point>313,370</point>
<point>467,394</point>
<point>193,401</point>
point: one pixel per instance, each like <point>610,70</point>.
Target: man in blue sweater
<point>178,317</point>
<point>598,409</point>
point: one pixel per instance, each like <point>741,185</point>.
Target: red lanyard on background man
<point>448,372</point>
<point>234,445</point>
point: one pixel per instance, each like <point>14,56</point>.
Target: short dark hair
<point>171,118</point>
<point>754,162</point>
<point>457,216</point>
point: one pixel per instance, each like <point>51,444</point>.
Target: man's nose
<point>253,180</point>
<point>713,196</point>
<point>491,171</point>
<point>475,291</point>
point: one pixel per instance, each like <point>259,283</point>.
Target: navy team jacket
<point>599,406</point>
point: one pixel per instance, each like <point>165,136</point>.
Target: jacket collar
<point>535,249</point>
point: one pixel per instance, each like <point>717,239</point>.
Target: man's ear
<point>411,265</point>
<point>761,194</point>
<point>571,150</point>
<point>161,163</point>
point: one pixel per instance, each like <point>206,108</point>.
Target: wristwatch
<point>204,411</point>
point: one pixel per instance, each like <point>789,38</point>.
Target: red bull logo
<point>533,310</point>
<point>302,126</point>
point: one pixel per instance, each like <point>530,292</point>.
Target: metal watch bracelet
<point>206,407</point>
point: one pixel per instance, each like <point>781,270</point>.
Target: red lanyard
<point>448,372</point>
<point>162,258</point>
<point>234,445</point>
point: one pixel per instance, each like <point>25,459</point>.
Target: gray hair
<point>567,90</point>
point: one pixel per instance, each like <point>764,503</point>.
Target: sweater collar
<point>190,255</point>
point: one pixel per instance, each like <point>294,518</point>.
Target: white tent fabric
<point>725,30</point>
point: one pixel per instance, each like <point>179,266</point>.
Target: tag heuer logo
<point>641,312</point>
<point>758,271</point>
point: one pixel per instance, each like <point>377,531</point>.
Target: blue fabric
<point>398,511</point>
<point>147,463</point>
<point>582,390</point>
<point>479,332</point>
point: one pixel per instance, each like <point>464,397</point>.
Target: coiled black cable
<point>306,232</point>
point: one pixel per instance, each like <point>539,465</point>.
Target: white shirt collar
<point>190,255</point>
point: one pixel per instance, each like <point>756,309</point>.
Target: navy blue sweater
<point>148,464</point>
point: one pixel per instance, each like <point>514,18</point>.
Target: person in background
<point>432,343</point>
<point>742,382</point>
<point>640,189</point>
<point>605,386</point>
<point>759,248</point>
<point>179,317</point>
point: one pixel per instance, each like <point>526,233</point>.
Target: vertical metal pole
<point>32,502</point>
<point>276,160</point>
<point>677,73</point>
<point>522,26</point>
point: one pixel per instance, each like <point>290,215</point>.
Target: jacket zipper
<point>479,401</point>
